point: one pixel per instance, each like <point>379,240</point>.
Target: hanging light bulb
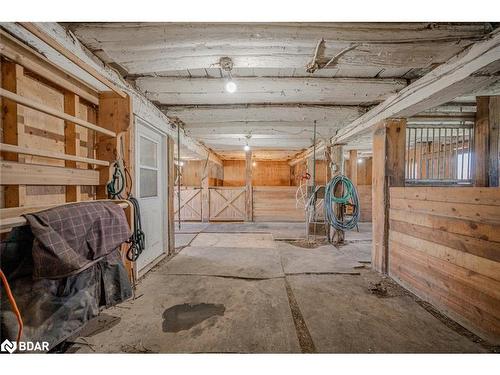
<point>246,148</point>
<point>360,160</point>
<point>231,87</point>
<point>254,164</point>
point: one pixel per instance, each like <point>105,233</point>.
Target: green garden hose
<point>349,197</point>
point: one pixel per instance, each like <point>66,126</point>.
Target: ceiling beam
<point>469,71</point>
<point>142,107</point>
<point>200,46</point>
<point>252,113</point>
<point>341,91</point>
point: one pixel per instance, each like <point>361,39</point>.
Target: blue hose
<point>349,197</point>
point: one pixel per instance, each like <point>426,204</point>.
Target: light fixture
<point>181,164</point>
<point>254,164</point>
<point>246,148</point>
<point>360,160</point>
<point>226,65</point>
<point>231,87</point>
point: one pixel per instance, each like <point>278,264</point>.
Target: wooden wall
<point>264,173</point>
<point>444,245</point>
<point>274,203</point>
<point>40,131</point>
<point>192,170</point>
<point>300,168</point>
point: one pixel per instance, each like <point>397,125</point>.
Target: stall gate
<point>227,203</point>
<point>190,204</point>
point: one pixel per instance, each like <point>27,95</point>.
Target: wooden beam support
<point>494,151</point>
<point>49,40</point>
<point>388,170</point>
<point>12,73</point>
<point>53,112</point>
<point>448,81</point>
<point>71,143</point>
<point>170,195</point>
<point>42,67</point>
<point>248,187</point>
<point>486,142</point>
<point>205,194</point>
<point>115,115</point>
<point>353,166</point>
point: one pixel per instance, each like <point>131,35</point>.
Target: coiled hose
<point>349,197</point>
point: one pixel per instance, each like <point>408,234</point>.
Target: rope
<point>120,180</point>
<point>137,240</point>
<point>349,198</point>
<point>13,304</point>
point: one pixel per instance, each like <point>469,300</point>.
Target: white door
<point>151,192</point>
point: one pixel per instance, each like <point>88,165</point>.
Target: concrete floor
<point>235,288</point>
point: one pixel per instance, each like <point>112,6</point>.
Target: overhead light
<point>181,163</point>
<point>231,87</point>
<point>360,160</point>
<point>254,164</point>
<point>246,148</point>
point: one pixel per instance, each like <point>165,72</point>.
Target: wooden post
<point>12,73</point>
<point>494,141</point>
<point>481,142</point>
<point>205,194</point>
<point>388,170</point>
<point>170,195</point>
<point>115,113</point>
<point>353,166</point>
<point>71,143</point>
<point>328,162</point>
<point>338,168</point>
<point>248,187</point>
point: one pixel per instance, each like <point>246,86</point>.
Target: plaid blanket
<point>70,238</point>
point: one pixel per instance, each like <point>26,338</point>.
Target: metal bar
<point>432,153</point>
<point>420,158</point>
<point>439,154</point>
<point>179,174</point>
<point>415,154</point>
<point>463,154</point>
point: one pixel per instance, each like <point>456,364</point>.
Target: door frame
<point>163,185</point>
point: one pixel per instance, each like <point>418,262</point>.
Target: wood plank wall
<point>265,173</point>
<point>276,203</point>
<point>444,245</point>
<point>37,130</point>
<point>300,168</point>
<point>192,169</point>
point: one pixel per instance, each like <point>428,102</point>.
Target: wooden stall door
<point>190,204</point>
<point>227,203</point>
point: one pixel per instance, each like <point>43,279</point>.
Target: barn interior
<point>251,187</point>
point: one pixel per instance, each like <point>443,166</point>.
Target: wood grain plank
<point>32,174</point>
<point>472,262</point>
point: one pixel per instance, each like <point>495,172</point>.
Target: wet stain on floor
<point>182,317</point>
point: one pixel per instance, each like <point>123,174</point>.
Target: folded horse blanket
<point>63,268</point>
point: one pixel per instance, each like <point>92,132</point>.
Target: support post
<point>486,142</point>
<point>338,168</point>
<point>494,152</point>
<point>481,142</point>
<point>248,187</point>
<point>170,195</point>
<point>353,166</point>
<point>388,170</point>
<point>205,193</point>
<point>12,73</point>
<point>115,114</point>
<point>71,106</point>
